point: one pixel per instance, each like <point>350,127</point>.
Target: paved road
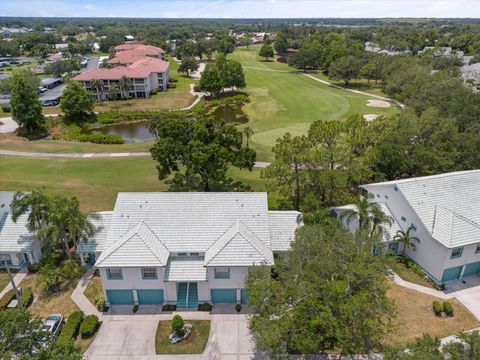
<point>92,64</point>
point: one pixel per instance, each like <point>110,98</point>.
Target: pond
<point>139,132</point>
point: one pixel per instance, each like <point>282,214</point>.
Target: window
<point>5,257</point>
<point>221,273</point>
<point>413,227</point>
<point>114,274</point>
<point>386,197</point>
<point>456,253</point>
<point>194,254</point>
<point>149,273</point>
<point>182,254</point>
<point>477,250</point>
<point>395,188</point>
<point>139,81</point>
<point>404,218</point>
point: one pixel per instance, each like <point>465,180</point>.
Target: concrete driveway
<point>133,337</point>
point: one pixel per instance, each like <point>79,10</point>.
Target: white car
<point>52,325</point>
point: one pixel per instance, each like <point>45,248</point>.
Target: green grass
<point>284,100</point>
<point>94,290</point>
<point>408,274</point>
<point>95,182</point>
<point>4,280</point>
<point>194,344</point>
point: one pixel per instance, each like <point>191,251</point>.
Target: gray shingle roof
<point>448,205</point>
<point>97,242</point>
<point>283,225</point>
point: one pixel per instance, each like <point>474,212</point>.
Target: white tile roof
<point>185,270</point>
<point>15,237</point>
<point>283,225</point>
<point>97,242</point>
<point>238,246</point>
<point>448,205</point>
<point>389,231</point>
<point>136,248</point>
<point>235,229</point>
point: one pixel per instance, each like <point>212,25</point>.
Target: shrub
<point>437,308</point>
<point>135,308</point>
<point>171,85</point>
<point>5,300</point>
<point>173,80</point>
<point>205,307</point>
<point>169,307</point>
<point>71,271</point>
<point>238,307</point>
<point>95,138</point>
<point>27,297</point>
<point>101,303</point>
<point>89,326</point>
<point>70,330</point>
<point>447,308</point>
<point>6,108</point>
<point>177,323</point>
<point>34,268</point>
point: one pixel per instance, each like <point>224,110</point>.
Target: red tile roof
<point>140,49</point>
<point>126,58</point>
<point>142,68</point>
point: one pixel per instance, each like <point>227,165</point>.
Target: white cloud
<point>90,7</point>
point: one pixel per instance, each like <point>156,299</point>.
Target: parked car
<point>42,89</point>
<point>52,326</point>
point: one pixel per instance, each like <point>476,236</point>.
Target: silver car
<point>52,325</point>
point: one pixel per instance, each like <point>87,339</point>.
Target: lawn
<point>94,290</point>
<point>4,280</point>
<point>407,274</point>
<point>284,100</point>
<point>194,344</point>
<point>415,316</point>
<point>45,304</point>
<point>95,181</point>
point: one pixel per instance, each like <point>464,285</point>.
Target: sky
<point>242,8</point>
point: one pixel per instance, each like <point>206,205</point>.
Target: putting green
<point>284,100</point>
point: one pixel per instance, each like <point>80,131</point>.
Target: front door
<point>91,259</point>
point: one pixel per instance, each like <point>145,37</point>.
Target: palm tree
<point>248,132</point>
<point>98,85</point>
<point>361,211</point>
<point>125,84</point>
<point>406,238</point>
<point>37,205</point>
<point>112,92</point>
<point>378,220</point>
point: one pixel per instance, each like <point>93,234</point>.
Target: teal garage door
<point>452,273</point>
<point>150,297</point>
<point>472,269</point>
<point>224,296</point>
<point>120,297</point>
<point>244,296</point>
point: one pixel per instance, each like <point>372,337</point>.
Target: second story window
<point>477,250</point>
<point>114,274</point>
<point>149,273</point>
<point>456,253</point>
<point>413,227</point>
<point>221,272</point>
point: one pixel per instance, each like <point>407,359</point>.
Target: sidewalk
<point>17,279</point>
<point>81,300</point>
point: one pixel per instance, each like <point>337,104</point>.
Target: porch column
<point>82,260</point>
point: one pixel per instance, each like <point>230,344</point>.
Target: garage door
<point>120,297</point>
<point>244,296</point>
<point>472,269</point>
<point>452,273</point>
<point>224,296</point>
<point>150,297</point>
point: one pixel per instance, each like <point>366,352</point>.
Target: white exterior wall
<point>237,278</point>
<point>203,292</point>
<point>132,279</point>
<point>170,292</point>
<point>468,257</point>
<point>429,254</point>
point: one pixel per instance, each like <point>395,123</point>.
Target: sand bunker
<point>378,103</point>
<point>370,117</point>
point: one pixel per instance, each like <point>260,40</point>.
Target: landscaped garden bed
<point>194,344</point>
<point>409,271</point>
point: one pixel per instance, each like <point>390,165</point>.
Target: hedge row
<point>89,326</point>
<point>446,307</point>
<point>95,138</point>
<point>124,116</point>
<point>225,100</point>
<point>205,307</point>
<point>70,330</point>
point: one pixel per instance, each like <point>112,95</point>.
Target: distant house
<point>443,211</point>
<point>143,64</point>
<point>61,46</point>
<point>18,245</point>
<point>129,37</point>
<point>185,248</point>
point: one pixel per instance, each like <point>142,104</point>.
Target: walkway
<point>81,300</point>
<point>17,279</point>
<point>7,125</point>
